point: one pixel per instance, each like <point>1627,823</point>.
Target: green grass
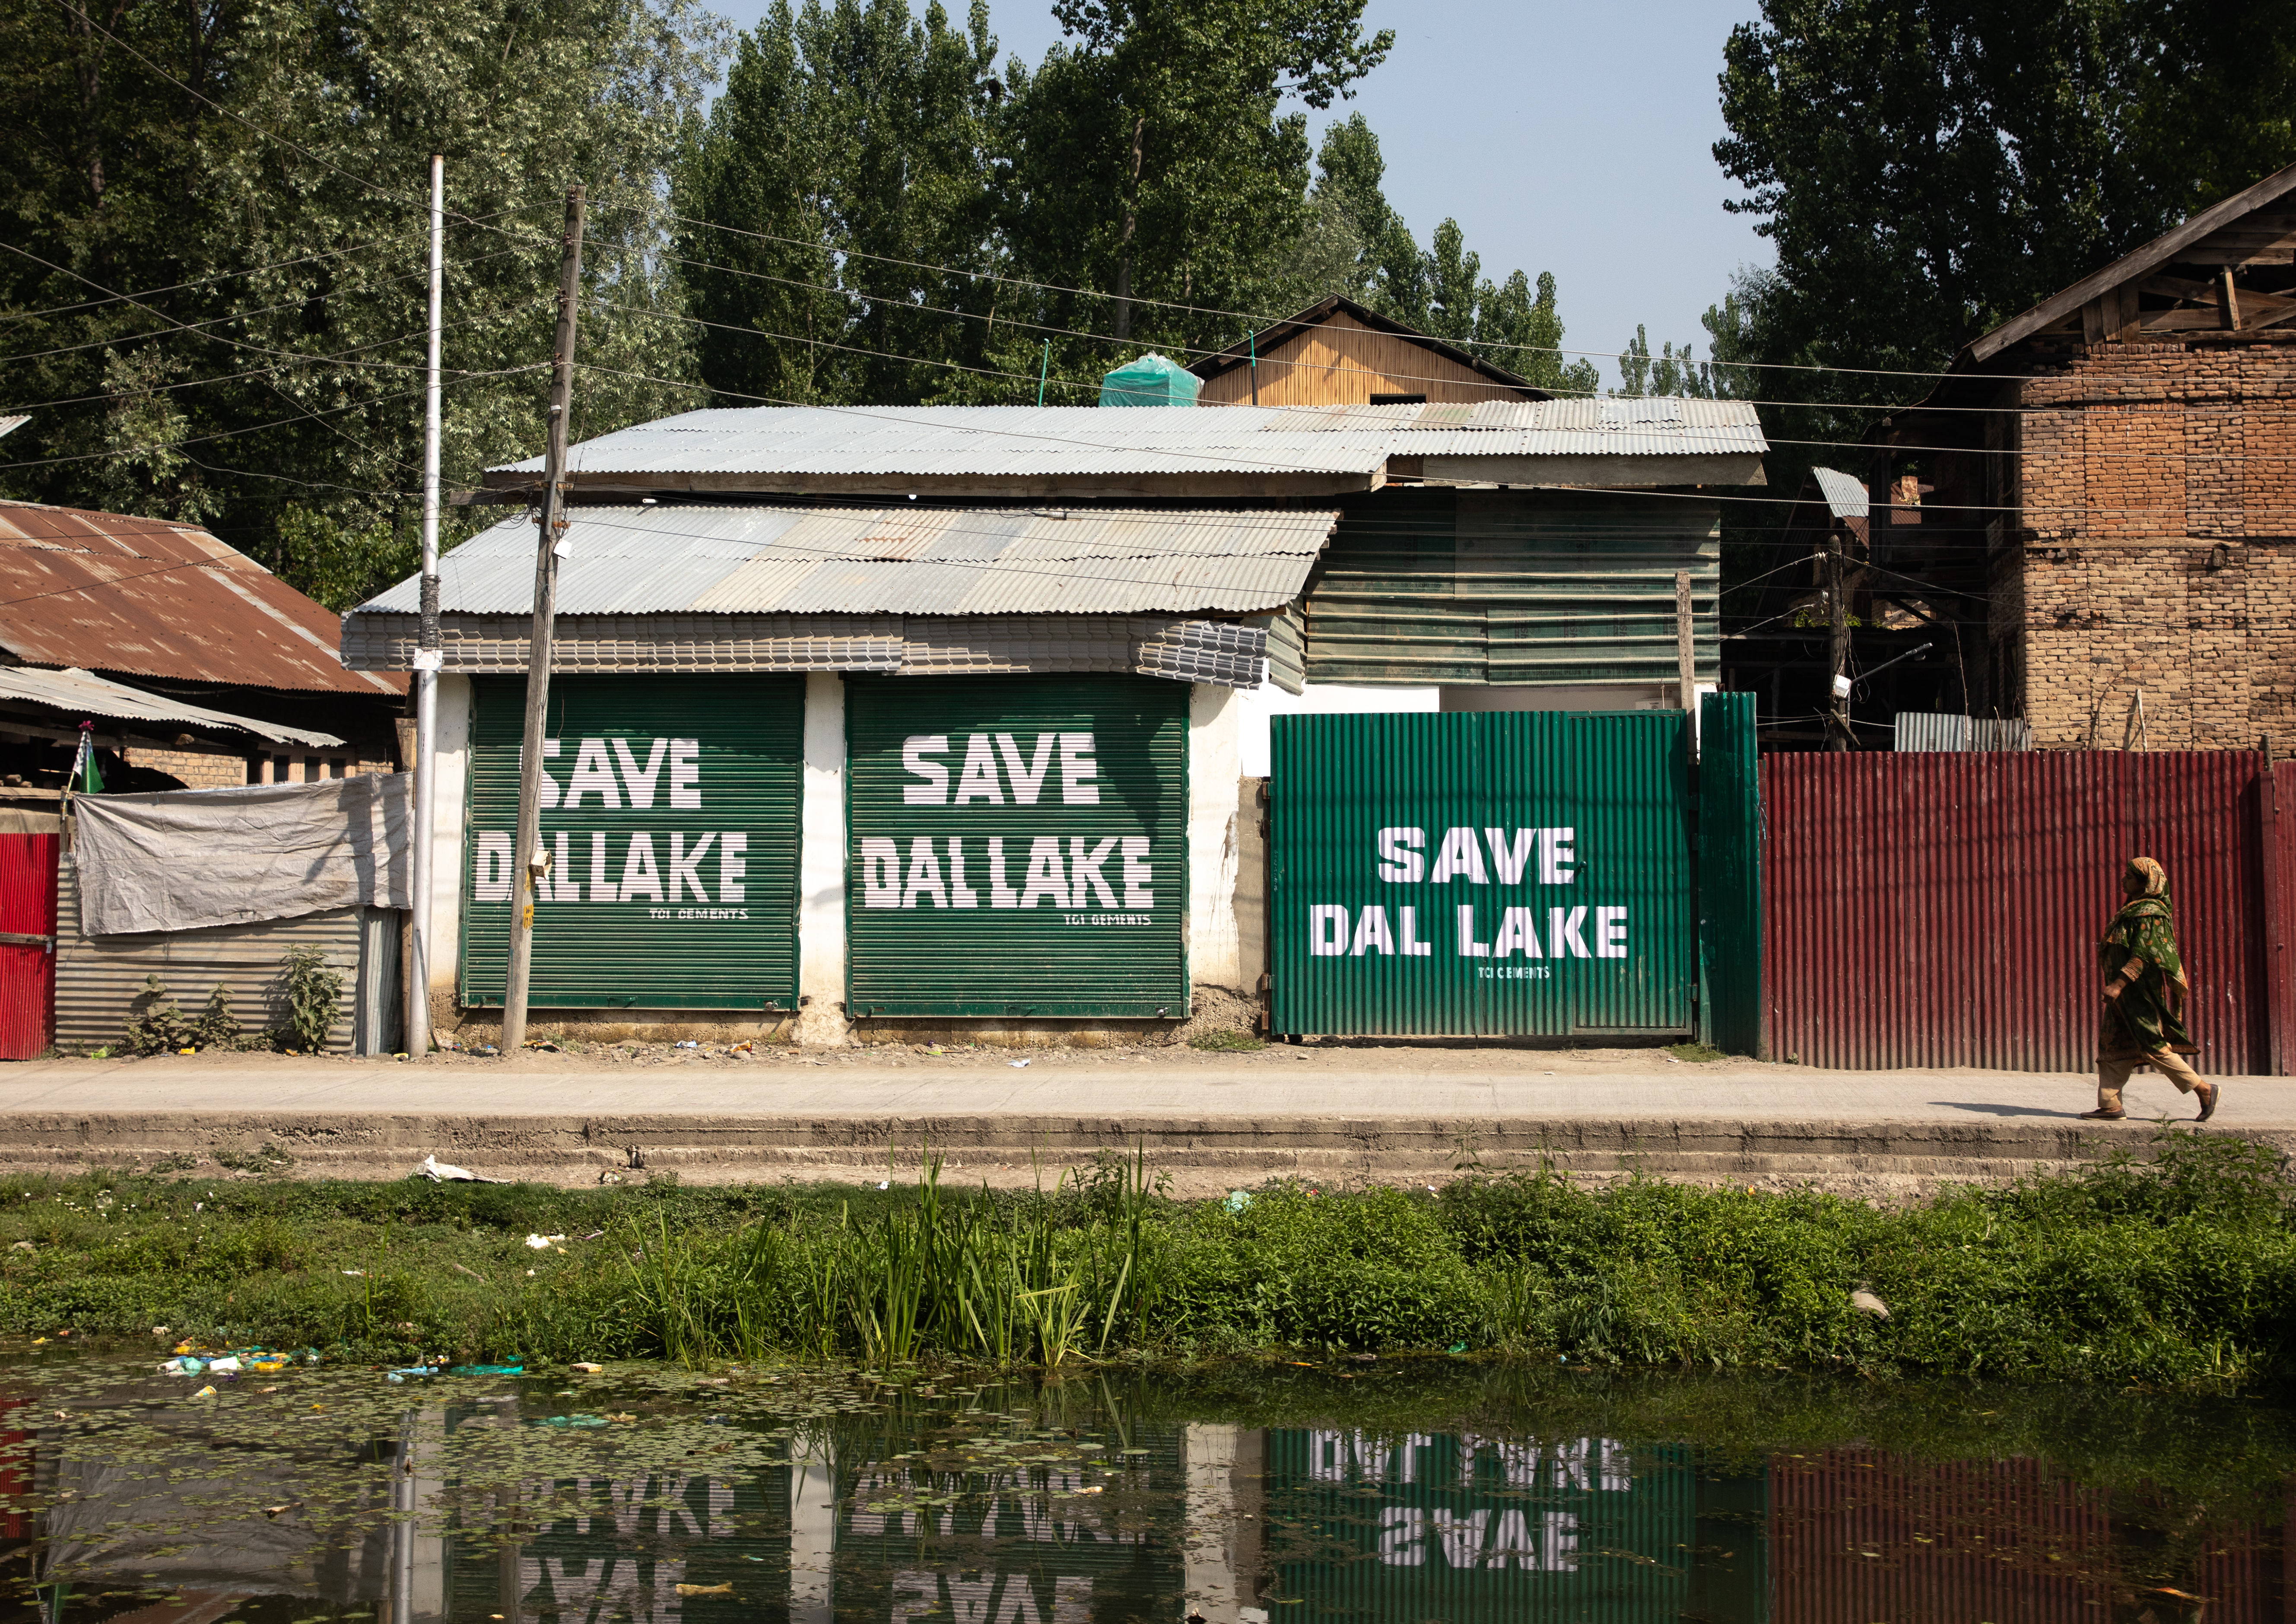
<point>1226,1040</point>
<point>1695,1052</point>
<point>2178,1270</point>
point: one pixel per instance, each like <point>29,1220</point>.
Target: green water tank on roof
<point>1152,380</point>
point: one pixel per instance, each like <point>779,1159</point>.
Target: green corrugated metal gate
<point>1018,846</point>
<point>1525,872</point>
<point>1465,1529</point>
<point>670,811</point>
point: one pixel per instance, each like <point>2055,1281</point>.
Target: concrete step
<point>1197,1153</point>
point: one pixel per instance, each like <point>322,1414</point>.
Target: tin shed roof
<point>1034,449</point>
<point>750,559</point>
<point>113,592</point>
<point>83,692</point>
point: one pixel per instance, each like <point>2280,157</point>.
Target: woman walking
<point>2144,994</point>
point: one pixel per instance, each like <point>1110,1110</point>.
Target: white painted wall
<point>1258,705</point>
<point>1216,717</point>
<point>446,813</point>
<point>821,865</point>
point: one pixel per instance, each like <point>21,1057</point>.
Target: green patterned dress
<point>2148,1017</point>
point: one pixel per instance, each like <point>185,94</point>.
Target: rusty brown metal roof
<point>109,592</point>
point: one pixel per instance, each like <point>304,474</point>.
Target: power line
<point>1023,324</point>
<point>200,440</point>
<point>1264,322</point>
<point>254,270</point>
<point>339,358</point>
<point>194,329</point>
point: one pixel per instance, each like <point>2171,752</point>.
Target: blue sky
<point>1575,139</point>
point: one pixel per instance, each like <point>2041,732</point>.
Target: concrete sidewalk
<point>1409,1114</point>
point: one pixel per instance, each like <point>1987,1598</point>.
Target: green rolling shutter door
<point>670,812</point>
<point>1018,846</point>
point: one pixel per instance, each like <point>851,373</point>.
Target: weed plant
<point>2178,1267</point>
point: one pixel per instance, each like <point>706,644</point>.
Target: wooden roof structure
<point>1337,352</point>
<point>2136,294</point>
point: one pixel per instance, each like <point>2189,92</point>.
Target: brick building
<point>2097,504</point>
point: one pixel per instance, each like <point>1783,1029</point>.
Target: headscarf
<point>2145,927</point>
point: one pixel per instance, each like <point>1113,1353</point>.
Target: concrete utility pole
<point>525,847</point>
<point>1685,655</point>
<point>1837,615</point>
<point>427,659</point>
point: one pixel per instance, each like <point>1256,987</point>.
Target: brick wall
<point>200,768</point>
<point>2158,543</point>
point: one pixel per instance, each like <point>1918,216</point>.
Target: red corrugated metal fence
<point>1939,909</point>
<point>28,969</point>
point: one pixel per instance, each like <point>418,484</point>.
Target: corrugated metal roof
<point>84,694</point>
<point>113,592</point>
<point>924,560</point>
<point>1844,494</point>
<point>1919,730</point>
<point>1033,441</point>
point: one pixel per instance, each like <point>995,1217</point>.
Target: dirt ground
<point>551,1052</point>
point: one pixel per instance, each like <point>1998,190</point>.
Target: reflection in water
<point>658,1498</point>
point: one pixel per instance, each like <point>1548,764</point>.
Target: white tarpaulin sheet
<point>185,859</point>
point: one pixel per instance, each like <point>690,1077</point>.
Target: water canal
<point>1402,1490</point>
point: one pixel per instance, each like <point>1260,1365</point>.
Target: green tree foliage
<point>851,150</point>
<point>214,301</point>
<point>872,213</point>
<point>1928,169</point>
<point>1356,243</point>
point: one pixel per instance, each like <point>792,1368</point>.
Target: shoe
<point>2207,1093</point>
<point>2102,1115</point>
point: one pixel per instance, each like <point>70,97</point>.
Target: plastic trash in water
<point>443,1172</point>
<point>1238,1200</point>
<point>570,1421</point>
<point>411,1370</point>
<point>487,1370</point>
<point>205,1392</point>
<point>225,1366</point>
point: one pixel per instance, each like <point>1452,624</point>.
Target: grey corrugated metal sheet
<point>792,560</point>
<point>1471,587</point>
<point>1086,441</point>
<point>100,979</point>
<point>1844,494</point>
<point>1924,730</point>
<point>86,694</point>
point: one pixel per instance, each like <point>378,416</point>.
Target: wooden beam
<point>2228,301</point>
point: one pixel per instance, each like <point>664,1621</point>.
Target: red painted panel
<point>1941,909</point>
<point>1856,1535</point>
<point>27,974</point>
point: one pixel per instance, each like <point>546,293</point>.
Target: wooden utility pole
<point>528,860</point>
<point>1837,615</point>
